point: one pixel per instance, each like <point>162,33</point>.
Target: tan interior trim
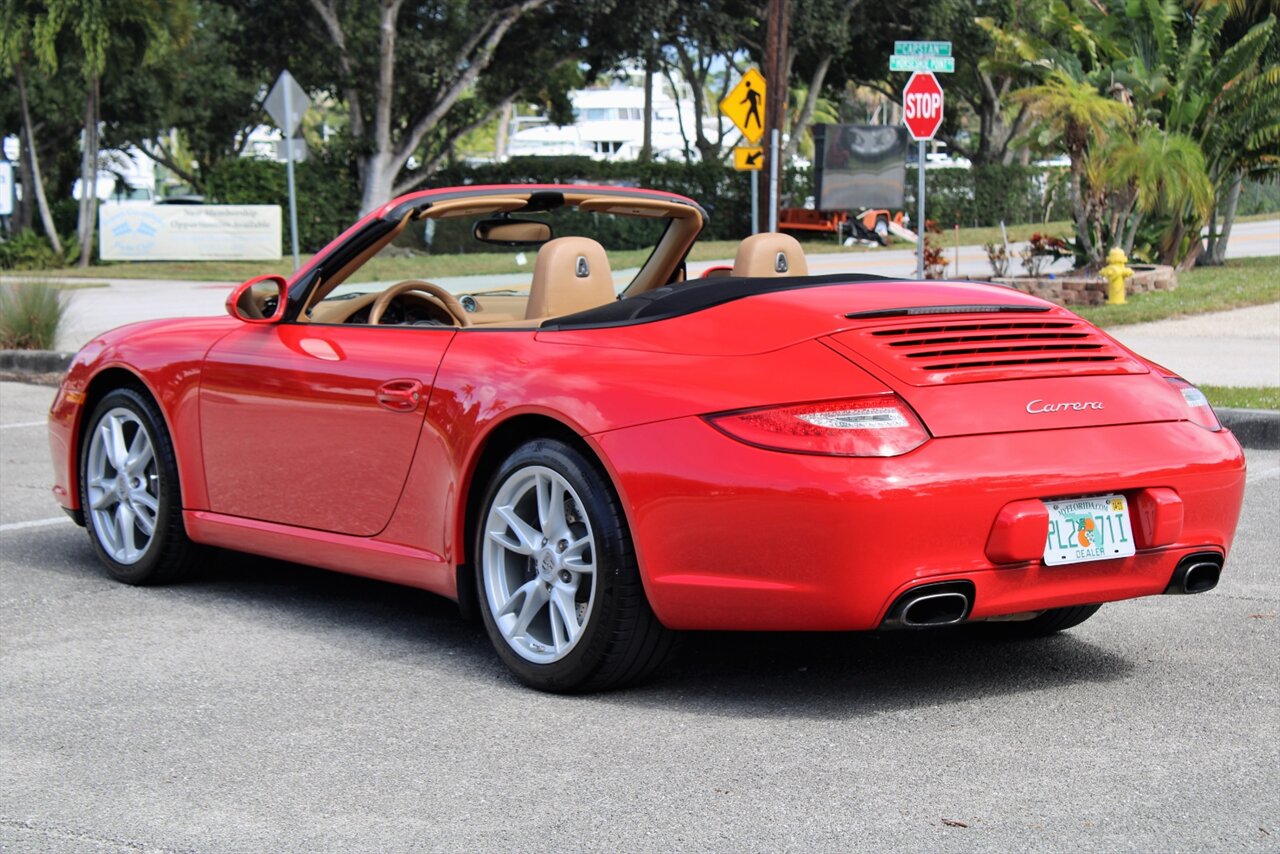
<point>637,207</point>
<point>451,208</point>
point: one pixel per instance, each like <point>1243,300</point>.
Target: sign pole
<point>773,180</point>
<point>755,202</point>
<point>920,229</point>
<point>288,154</point>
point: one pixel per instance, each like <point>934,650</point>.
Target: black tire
<point>621,641</point>
<point>168,554</point>
<point>1050,622</point>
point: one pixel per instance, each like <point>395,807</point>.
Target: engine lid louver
<point>977,349</point>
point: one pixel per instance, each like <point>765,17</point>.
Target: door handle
<point>400,395</point>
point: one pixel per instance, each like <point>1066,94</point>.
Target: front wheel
<point>559,586</point>
<point>129,491</point>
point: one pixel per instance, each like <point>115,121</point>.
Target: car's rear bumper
<point>735,537</point>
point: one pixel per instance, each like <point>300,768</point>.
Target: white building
<point>609,125</point>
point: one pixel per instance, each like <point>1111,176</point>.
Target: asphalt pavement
<point>271,707</point>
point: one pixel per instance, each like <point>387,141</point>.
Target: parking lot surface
<point>268,706</point>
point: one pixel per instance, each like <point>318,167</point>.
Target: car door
<point>315,426</point>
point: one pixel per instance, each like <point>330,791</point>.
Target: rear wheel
<point>1050,622</point>
<point>559,588</point>
<point>129,491</point>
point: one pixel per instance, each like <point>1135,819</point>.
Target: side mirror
<point>507,231</point>
<point>260,300</point>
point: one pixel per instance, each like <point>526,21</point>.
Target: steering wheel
<point>438,294</point>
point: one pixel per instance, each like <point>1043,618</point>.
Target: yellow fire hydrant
<point>1116,272</point>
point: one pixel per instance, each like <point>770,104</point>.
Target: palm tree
<point>15,44</point>
<point>1080,116</point>
<point>1153,172</point>
<point>142,27</point>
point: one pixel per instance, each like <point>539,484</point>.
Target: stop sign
<point>922,105</point>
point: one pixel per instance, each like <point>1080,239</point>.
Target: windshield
<point>445,251</point>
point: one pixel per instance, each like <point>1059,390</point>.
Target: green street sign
<point>922,48</point>
<point>936,64</point>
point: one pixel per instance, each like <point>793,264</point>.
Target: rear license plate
<point>1085,529</point>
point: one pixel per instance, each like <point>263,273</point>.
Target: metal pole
<point>920,210</point>
<point>773,179</point>
<point>288,155</point>
<point>755,201</point>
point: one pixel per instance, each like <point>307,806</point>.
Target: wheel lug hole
<point>565,576</point>
<point>562,545</point>
<point>548,586</point>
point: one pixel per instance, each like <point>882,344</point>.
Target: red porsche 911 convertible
<point>595,460</point>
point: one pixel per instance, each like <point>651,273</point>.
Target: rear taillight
<point>877,426</point>
<point>1200,412</point>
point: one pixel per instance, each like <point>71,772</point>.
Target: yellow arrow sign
<point>745,105</point>
<point>747,158</point>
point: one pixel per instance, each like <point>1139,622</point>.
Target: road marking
<point>40,423</point>
<point>34,523</point>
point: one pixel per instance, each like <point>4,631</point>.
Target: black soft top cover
<point>688,297</point>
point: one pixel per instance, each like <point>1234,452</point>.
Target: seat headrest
<point>570,274</point>
<point>770,254</point>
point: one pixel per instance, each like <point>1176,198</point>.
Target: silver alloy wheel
<point>122,484</point>
<point>539,564</point>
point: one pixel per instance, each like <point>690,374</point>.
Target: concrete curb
<point>1254,428</point>
<point>35,361</point>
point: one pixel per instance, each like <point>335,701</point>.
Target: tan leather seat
<point>570,274</point>
<point>770,254</point>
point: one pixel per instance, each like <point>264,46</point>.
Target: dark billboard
<point>859,166</point>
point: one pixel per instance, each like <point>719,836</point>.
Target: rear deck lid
<point>976,371</point>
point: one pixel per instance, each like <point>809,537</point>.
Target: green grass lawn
<point>1258,397</point>
<point>1243,281</point>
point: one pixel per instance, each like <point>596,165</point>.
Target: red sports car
<point>594,461</point>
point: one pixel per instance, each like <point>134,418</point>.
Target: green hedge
<point>328,194</point>
<point>1258,197</point>
<point>987,195</point>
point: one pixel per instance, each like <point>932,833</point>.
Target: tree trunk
<point>806,111</point>
<point>37,182</point>
<point>1078,211</point>
<point>88,175</point>
<point>23,208</point>
<point>503,141</point>
<point>646,144</point>
<point>1219,255</point>
<point>378,179</point>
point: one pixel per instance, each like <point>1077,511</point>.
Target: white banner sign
<point>6,188</point>
<point>189,232</point>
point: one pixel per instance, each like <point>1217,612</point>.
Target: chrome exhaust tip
<point>944,604</point>
<point>1197,573</point>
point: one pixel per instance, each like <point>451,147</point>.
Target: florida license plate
<point>1085,529</point>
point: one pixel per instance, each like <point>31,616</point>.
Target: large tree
<point>128,33</point>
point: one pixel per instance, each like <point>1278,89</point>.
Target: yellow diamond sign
<point>745,105</point>
<point>748,158</point>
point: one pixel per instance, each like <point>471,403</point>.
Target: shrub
<point>328,194</point>
<point>998,258</point>
<point>28,251</point>
<point>30,314</point>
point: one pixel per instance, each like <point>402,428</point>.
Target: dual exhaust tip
<point>950,602</point>
<point>1197,573</point>
<point>943,604</point>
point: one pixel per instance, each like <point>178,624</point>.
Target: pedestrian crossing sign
<point>745,105</point>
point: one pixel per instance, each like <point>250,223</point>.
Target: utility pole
<point>775,62</point>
